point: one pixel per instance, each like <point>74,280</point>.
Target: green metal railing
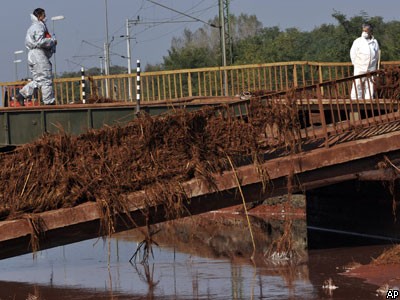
<point>177,84</point>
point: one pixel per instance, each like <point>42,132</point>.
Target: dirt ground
<point>378,275</point>
<point>384,270</point>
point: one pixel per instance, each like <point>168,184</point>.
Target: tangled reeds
<point>389,256</point>
<point>154,154</point>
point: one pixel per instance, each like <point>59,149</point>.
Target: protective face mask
<point>365,35</point>
<point>44,20</point>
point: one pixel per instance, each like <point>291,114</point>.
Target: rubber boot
<point>21,99</point>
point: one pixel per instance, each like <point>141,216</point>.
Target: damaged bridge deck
<point>315,168</point>
<point>351,145</point>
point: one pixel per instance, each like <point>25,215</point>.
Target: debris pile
<point>154,154</point>
<point>389,256</point>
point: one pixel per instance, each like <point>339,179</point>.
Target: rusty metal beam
<point>21,125</point>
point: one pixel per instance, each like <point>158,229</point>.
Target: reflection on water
<point>199,258</point>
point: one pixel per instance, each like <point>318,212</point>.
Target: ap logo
<point>392,294</point>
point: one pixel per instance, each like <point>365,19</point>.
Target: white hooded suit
<point>364,54</point>
<point>41,47</point>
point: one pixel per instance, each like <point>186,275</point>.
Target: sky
<point>82,33</point>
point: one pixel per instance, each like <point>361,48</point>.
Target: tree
<point>189,57</point>
<point>95,71</point>
<point>253,43</point>
<point>201,48</point>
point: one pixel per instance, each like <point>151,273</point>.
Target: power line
<point>157,22</point>
<point>192,14</point>
<point>75,63</point>
<point>137,34</point>
<point>182,13</point>
<point>136,14</point>
<point>98,47</point>
<point>93,45</point>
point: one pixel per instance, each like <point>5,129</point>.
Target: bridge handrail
<point>175,84</point>
<point>329,111</point>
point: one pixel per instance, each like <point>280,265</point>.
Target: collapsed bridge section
<point>67,188</point>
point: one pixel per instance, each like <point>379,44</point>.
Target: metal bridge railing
<point>327,110</point>
<point>171,85</point>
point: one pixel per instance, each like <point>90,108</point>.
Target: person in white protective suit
<point>364,54</point>
<point>41,47</point>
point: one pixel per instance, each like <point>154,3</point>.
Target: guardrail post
<point>137,86</point>
<point>190,84</point>
<point>321,78</point>
<point>83,85</point>
<point>5,95</point>
<point>295,83</point>
<point>322,115</point>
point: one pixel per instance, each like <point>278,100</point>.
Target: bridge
<point>274,143</point>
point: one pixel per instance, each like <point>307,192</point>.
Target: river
<point>284,254</point>
<point>205,257</point>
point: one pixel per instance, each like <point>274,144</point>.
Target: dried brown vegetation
<point>389,256</point>
<point>154,154</point>
<point>388,82</point>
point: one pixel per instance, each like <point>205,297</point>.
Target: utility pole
<point>223,46</point>
<point>55,18</point>
<point>128,52</point>
<point>228,36</point>
<point>16,62</point>
<point>101,65</point>
<point>107,53</point>
<point>227,28</point>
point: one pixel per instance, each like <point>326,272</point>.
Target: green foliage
<point>254,44</point>
<point>154,68</point>
<point>189,57</point>
<point>387,36</point>
<point>95,71</point>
